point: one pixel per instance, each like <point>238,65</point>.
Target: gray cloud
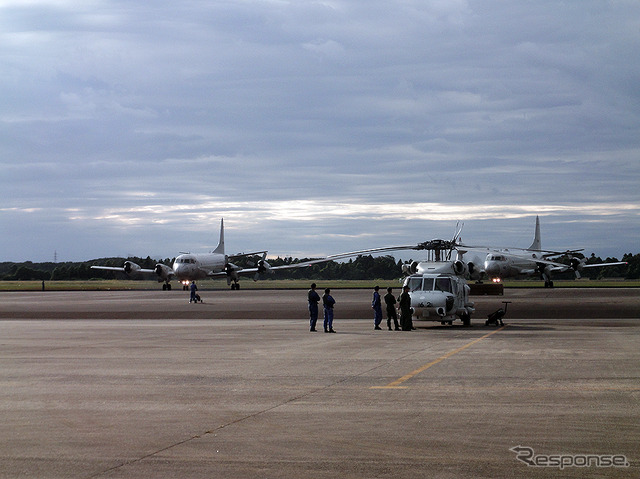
<point>129,127</point>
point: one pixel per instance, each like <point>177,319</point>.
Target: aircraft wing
<point>576,266</point>
<point>125,269</point>
<point>516,251</point>
<point>604,264</point>
<point>563,267</point>
<point>242,255</point>
<point>265,268</point>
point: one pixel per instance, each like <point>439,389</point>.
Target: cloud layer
<point>316,127</point>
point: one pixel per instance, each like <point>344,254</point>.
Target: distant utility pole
<point>55,256</point>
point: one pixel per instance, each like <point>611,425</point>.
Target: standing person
<point>376,304</point>
<point>328,302</point>
<point>390,301</point>
<point>405,310</point>
<point>193,289</point>
<point>313,297</point>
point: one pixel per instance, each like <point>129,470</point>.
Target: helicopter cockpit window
<point>443,284</point>
<point>414,284</point>
<point>428,284</point>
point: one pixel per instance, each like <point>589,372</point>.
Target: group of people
<point>403,301</point>
<point>327,303</point>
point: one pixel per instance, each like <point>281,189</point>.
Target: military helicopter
<point>437,286</point>
<point>467,263</point>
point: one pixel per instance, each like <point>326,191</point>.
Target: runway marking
<point>396,384</point>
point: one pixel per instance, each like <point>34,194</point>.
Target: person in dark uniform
<point>313,297</point>
<point>376,304</point>
<point>328,302</point>
<point>193,289</point>
<point>405,310</point>
<point>390,301</point>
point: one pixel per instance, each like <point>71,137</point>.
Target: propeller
<point>229,270</point>
<point>576,266</point>
<point>262,266</point>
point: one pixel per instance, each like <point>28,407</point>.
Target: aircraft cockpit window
<point>414,284</point>
<point>428,284</point>
<point>443,284</point>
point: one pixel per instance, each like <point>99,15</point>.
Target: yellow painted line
<point>396,384</point>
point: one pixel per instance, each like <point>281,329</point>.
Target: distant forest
<point>364,267</point>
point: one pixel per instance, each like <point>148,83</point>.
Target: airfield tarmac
<point>142,384</point>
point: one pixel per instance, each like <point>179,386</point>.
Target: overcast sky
<point>316,127</point>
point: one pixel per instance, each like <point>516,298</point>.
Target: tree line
<point>364,267</point>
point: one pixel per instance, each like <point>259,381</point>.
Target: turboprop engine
<point>263,267</point>
<point>460,268</point>
<point>163,271</point>
<point>130,267</point>
<point>231,271</point>
<point>576,265</point>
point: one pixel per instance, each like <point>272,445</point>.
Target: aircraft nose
<point>179,269</point>
<point>492,268</point>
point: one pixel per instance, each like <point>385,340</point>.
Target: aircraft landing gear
<point>166,287</point>
<point>548,284</point>
<point>235,286</point>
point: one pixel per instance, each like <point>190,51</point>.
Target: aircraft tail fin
<point>220,248</point>
<point>536,245</point>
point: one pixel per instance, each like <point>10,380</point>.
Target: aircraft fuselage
<point>189,267</point>
<point>498,265</point>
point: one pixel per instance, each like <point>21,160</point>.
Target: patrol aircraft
<point>503,263</point>
<point>188,267</point>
